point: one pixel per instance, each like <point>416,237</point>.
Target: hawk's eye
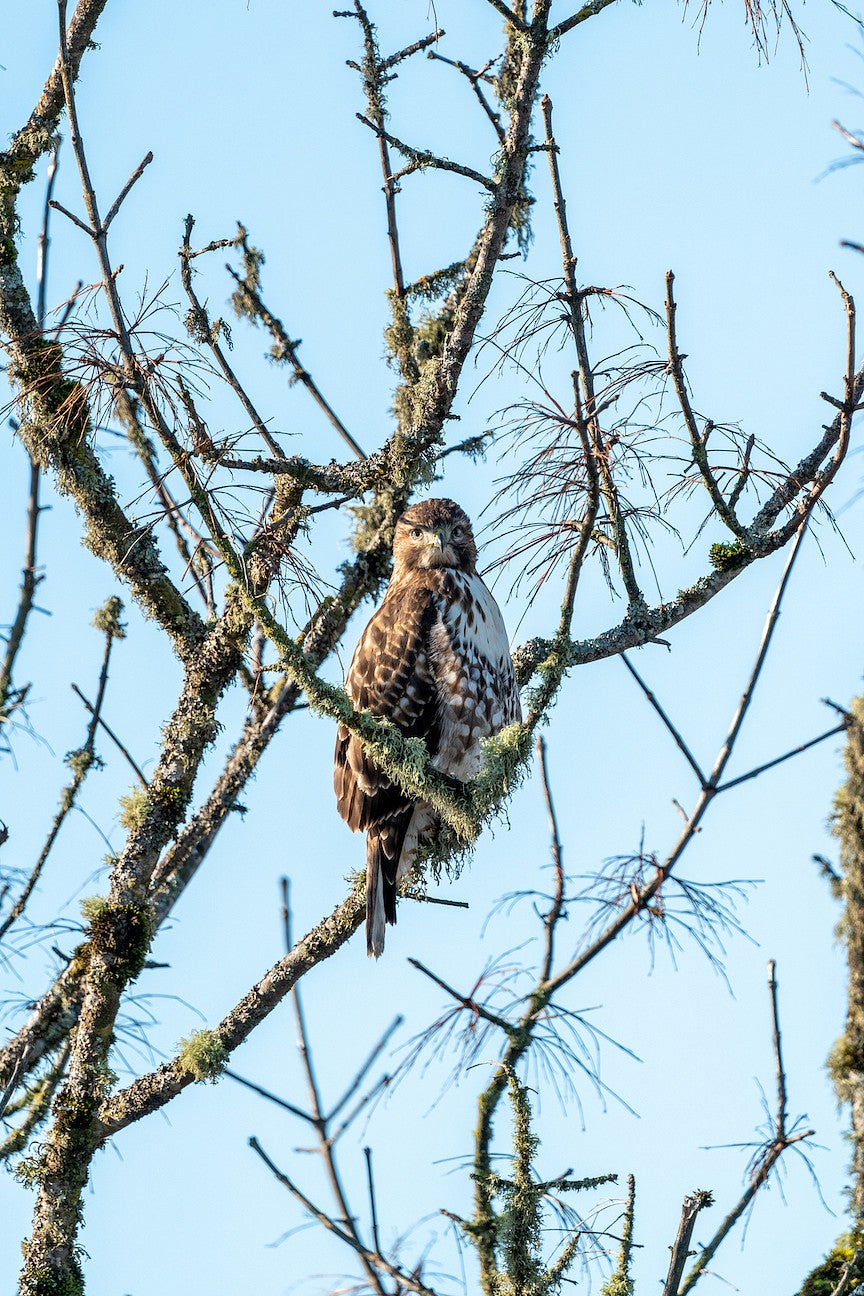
<point>416,533</point>
<point>457,533</point>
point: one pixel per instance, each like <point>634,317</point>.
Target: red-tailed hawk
<point>435,661</point>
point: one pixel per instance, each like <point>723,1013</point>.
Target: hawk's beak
<point>438,541</point>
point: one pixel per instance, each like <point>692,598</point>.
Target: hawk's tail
<point>383,849</point>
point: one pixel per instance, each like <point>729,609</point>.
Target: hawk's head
<point>434,533</point>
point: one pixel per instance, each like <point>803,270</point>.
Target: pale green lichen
<point>504,766</point>
<point>81,760</point>
<point>134,808</point>
<point>519,1228</point>
<point>617,1284</point>
<point>92,907</point>
<point>107,618</point>
<point>203,1055</point>
<point>844,1066</point>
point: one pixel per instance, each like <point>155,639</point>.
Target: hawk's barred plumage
<point>435,660</point>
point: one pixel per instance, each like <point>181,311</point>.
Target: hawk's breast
<point>474,675</point>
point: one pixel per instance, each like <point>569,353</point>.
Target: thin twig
<point>471,1004</point>
<point>781,1141</point>
<point>597,465</point>
<point>419,159</point>
<point>11,697</point>
<point>318,1118</point>
<point>111,734</point>
<point>709,791</point>
<point>97,229</point>
<point>368,1097</point>
<point>300,1017</point>
<point>44,243</point>
<point>64,211</point>
<point>285,349</point>
<point>778,1051</point>
<point>85,760</point>
<point>435,900</point>
<point>124,192</point>
<point>371,1260</point>
<point>366,1067</point>
<point>373,1210</point>
<point>837,434</point>
<point>423,43</point>
<point>206,331</point>
<point>372,71</point>
<point>128,412</point>
<point>778,760</point>
<point>765,644</point>
<point>266,1093</point>
<point>743,472</point>
<point>474,78</point>
<point>691,760</point>
<point>550,921</point>
<point>698,443</point>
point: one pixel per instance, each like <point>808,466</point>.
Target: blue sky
<point>678,151</point>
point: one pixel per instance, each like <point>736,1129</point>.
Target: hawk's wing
<point>390,675</point>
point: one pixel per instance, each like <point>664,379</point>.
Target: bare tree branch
<point>782,1140</point>
<point>80,762</point>
<point>681,1246</point>
<point>369,1258</point>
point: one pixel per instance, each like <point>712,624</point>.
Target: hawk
<point>434,660</point>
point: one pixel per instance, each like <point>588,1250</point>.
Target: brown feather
<point>434,660</point>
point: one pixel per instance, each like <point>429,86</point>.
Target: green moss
<point>399,336</point>
<point>729,557</point>
<point>825,1279</point>
<point>43,1281</point>
<point>121,934</point>
<point>203,1055</point>
<point>171,798</point>
<point>75,1115</point>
